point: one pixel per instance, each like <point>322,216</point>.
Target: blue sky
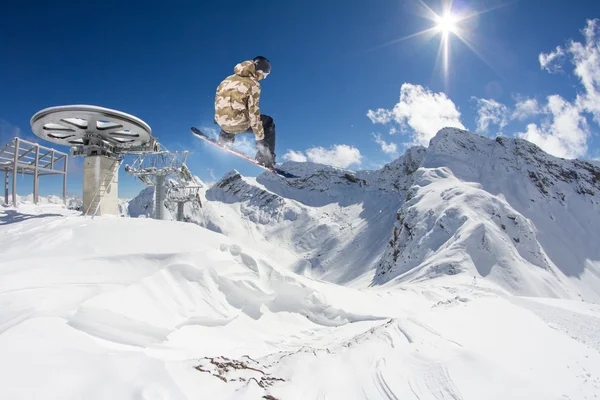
<point>337,92</point>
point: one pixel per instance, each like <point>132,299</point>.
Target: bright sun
<point>447,23</point>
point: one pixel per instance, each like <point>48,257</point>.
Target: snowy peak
<point>501,209</point>
<point>397,174</point>
<point>320,184</point>
<point>481,156</point>
<point>317,184</point>
<point>549,171</point>
<point>257,203</point>
<point>449,228</point>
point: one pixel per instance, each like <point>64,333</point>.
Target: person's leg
<point>266,147</point>
<point>226,139</point>
<point>269,127</point>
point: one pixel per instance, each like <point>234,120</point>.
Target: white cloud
<point>339,155</point>
<point>490,112</point>
<point>423,111</point>
<point>388,148</point>
<point>292,155</point>
<point>525,109</point>
<point>551,61</point>
<point>565,134</point>
<point>380,116</point>
<point>586,58</point>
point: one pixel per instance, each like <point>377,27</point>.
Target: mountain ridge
<point>466,206</point>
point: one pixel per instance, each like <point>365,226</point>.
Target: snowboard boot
<point>266,147</point>
<point>266,160</point>
<point>264,156</point>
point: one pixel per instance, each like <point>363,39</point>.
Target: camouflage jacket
<point>236,101</point>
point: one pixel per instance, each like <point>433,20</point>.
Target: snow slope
<point>73,202</point>
<point>120,308</point>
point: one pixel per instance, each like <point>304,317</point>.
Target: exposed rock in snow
<point>256,203</point>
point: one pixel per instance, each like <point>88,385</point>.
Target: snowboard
<point>198,133</point>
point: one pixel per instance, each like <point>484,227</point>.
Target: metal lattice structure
<point>153,168</point>
<point>180,195</point>
<point>28,158</point>
<point>150,165</point>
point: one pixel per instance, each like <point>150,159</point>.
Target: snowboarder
<point>237,109</point>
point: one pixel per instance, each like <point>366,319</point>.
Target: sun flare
<point>447,23</point>
<point>452,23</point>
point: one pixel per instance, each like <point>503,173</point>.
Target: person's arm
<point>254,112</point>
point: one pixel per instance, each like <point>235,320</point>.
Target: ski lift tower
<point>180,195</point>
<point>153,168</point>
<point>103,136</point>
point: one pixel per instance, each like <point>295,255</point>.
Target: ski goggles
<point>263,74</point>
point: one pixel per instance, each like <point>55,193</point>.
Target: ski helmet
<point>263,65</point>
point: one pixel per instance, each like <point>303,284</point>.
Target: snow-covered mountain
<point>467,206</point>
<point>465,270</point>
<point>501,209</point>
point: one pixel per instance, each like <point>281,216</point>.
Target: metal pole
<point>180,211</point>
<point>15,166</point>
<point>64,177</point>
<point>159,197</point>
<point>36,176</point>
<point>6,187</point>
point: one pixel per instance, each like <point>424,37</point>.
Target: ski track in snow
<point>381,383</point>
<point>433,382</point>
